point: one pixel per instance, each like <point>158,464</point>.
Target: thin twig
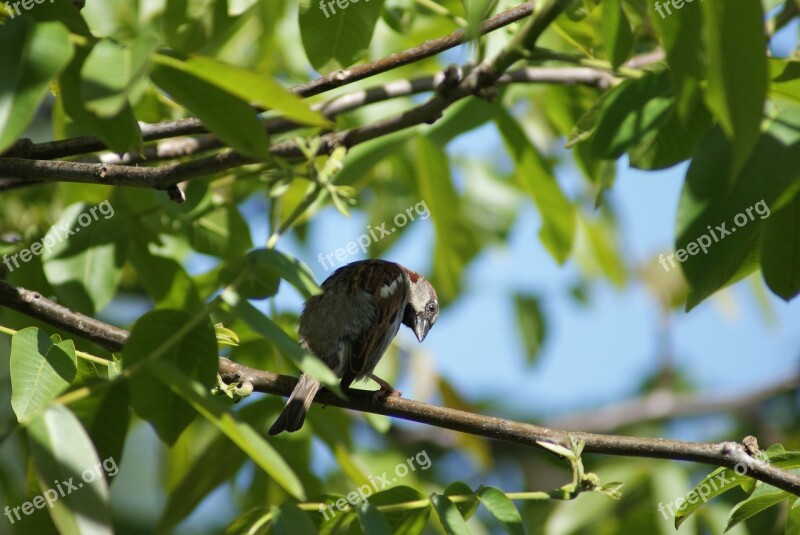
<point>183,127</point>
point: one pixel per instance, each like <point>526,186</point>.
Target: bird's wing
<point>386,284</point>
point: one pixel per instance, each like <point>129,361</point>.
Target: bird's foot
<point>386,390</point>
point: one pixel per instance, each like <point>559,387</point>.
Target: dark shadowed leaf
<point>532,324</point>
<point>288,519</point>
<point>220,232</point>
<point>169,335</point>
<point>764,497</point>
<point>336,37</point>
<point>617,32</point>
<point>631,111</point>
<point>712,197</point>
<point>217,412</point>
<point>372,521</point>
<point>466,507</point>
<point>780,250</point>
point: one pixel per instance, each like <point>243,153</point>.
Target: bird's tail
<point>294,413</point>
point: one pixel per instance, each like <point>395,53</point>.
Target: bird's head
<point>423,305</point>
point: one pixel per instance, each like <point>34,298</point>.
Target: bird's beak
<point>421,327</point>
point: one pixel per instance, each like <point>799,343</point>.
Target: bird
<point>351,323</point>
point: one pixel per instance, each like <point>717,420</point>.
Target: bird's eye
<point>431,307</point>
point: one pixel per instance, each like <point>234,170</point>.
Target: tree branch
<point>188,126</point>
<point>476,82</point>
<point>406,57</point>
<point>171,148</point>
<point>728,454</point>
<point>37,306</point>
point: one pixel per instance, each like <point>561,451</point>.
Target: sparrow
<point>351,323</point>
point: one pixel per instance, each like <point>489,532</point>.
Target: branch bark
<point>728,454</point>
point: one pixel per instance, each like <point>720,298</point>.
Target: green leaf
<point>399,15</point>
<point>120,132</point>
<point>476,14</point>
<point>221,232</point>
<point>629,112</point>
<point>165,280</point>
<point>218,462</point>
<point>785,77</point>
<point>605,250</point>
<point>83,256</point>
<point>255,280</point>
<point>503,509</point>
<point>258,89</point>
<point>288,268</point>
<point>264,326</point>
<point>372,521</point>
<point>363,158</point>
<point>244,523</point>
<point>216,412</point>
<point>712,197</point>
<point>737,75</point>
<point>793,518</point>
<point>409,521</point>
<point>558,449</point>
<point>581,28</point>
<point>532,324</point>
<point>335,37</point>
<point>225,336</point>
<point>780,250</point>
<point>764,497</point>
<point>111,71</point>
<point>467,507</point>
<point>674,141</point>
<point>106,415</point>
<point>451,519</point>
<point>460,118</point>
<point>681,35</point>
<point>40,371</point>
<point>62,452</point>
<point>225,114</point>
<point>169,335</point>
<point>617,33</point>
<point>288,519</point>
<point>717,482</point>
<point>534,175</point>
<point>40,52</point>
<point>63,12</point>
<point>456,242</point>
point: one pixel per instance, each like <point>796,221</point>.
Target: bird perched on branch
<point>351,324</point>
